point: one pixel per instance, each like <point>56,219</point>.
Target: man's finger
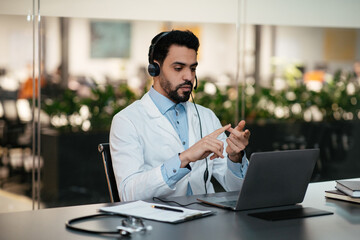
<point>247,134</point>
<point>235,146</point>
<point>240,126</point>
<point>239,135</point>
<point>216,148</point>
<point>217,132</point>
<point>232,145</point>
<point>235,132</point>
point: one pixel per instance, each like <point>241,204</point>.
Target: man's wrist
<point>184,162</point>
<point>237,158</point>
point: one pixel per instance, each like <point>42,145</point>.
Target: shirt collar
<point>162,102</point>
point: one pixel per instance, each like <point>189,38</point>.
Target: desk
<point>343,224</point>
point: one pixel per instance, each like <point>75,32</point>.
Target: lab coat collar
<point>159,119</point>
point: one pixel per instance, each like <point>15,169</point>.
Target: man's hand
<point>237,141</point>
<point>203,148</point>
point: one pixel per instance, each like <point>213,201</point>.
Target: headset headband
<point>151,54</point>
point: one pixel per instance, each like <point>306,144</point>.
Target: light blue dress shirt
<point>176,114</point>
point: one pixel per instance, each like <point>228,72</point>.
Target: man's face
<point>357,68</point>
<point>177,74</point>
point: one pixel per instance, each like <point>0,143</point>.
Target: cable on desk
<point>179,204</point>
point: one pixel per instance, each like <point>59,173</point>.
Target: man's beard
<point>173,94</point>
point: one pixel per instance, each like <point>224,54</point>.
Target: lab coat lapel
<point>193,122</point>
<point>194,126</point>
<point>194,136</point>
<point>157,119</point>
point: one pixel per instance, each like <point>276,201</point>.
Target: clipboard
<point>161,213</point>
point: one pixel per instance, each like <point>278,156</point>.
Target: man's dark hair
<point>161,43</point>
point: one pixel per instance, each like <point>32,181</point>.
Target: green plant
<point>61,108</point>
<point>338,99</point>
<point>105,102</point>
<point>69,112</point>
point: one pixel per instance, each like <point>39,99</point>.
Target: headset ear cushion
<point>154,69</point>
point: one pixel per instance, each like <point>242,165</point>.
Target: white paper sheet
<point>146,210</point>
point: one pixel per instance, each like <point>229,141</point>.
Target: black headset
<point>153,67</point>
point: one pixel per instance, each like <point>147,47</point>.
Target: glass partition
<point>16,75</point>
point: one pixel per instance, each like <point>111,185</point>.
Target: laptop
<point>273,179</point>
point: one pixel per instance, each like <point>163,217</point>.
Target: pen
<point>167,208</point>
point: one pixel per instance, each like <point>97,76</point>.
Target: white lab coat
<point>141,139</point>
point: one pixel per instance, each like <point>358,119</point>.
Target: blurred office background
<point>291,69</point>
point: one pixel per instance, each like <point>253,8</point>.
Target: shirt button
<point>177,122</point>
<point>177,114</point>
<point>183,143</point>
<point>174,170</point>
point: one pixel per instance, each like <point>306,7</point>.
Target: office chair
<point>104,149</point>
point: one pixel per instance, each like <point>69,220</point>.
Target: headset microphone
<point>196,83</point>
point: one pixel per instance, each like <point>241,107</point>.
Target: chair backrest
<point>104,149</point>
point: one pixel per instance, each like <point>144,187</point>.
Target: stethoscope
<point>128,225</point>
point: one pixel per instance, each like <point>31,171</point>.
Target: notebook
<point>273,179</point>
<point>351,188</point>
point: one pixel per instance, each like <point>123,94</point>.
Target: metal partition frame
<point>36,104</point>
